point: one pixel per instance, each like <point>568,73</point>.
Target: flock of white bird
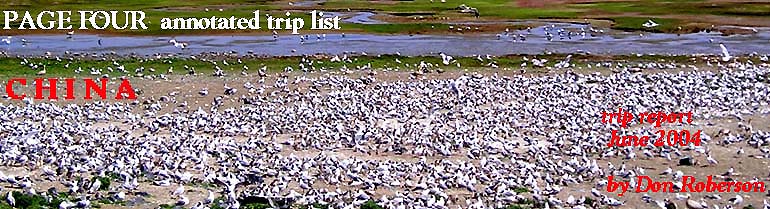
<point>471,141</point>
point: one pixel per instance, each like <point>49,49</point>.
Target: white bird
<point>650,24</point>
<point>95,186</point>
<point>7,40</point>
<point>41,72</point>
<point>725,54</point>
<point>180,45</point>
<point>66,205</point>
<point>179,191</point>
<point>10,199</point>
<point>711,160</point>
<point>445,59</point>
<point>182,200</point>
<point>209,198</point>
<point>737,200</point>
<point>120,196</point>
<point>692,204</point>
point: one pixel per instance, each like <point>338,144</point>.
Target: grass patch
<point>488,9</point>
<point>13,69</point>
<point>635,24</point>
<point>255,206</point>
<point>314,206</point>
<point>370,205</point>
<point>24,200</point>
<point>399,28</point>
<point>521,190</point>
<point>166,206</point>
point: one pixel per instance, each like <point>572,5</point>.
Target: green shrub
<point>370,205</point>
<point>520,190</point>
<point>256,206</point>
<point>29,201</point>
<point>4,205</point>
<point>106,180</point>
<point>313,206</point>
<point>166,206</point>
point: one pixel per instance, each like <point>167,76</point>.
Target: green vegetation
<point>410,28</point>
<point>24,200</point>
<point>313,206</point>
<point>109,201</point>
<point>166,206</point>
<point>492,9</point>
<point>523,204</point>
<point>635,23</point>
<point>105,182</point>
<point>216,203</point>
<point>370,205</point>
<point>255,206</point>
<point>627,15</point>
<point>514,207</point>
<point>27,201</point>
<point>4,205</point>
<point>521,190</point>
<point>12,67</point>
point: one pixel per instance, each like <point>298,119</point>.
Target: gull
<point>41,72</point>
<point>10,199</point>
<point>120,196</point>
<point>95,186</point>
<point>67,204</point>
<point>179,191</point>
<point>180,45</point>
<point>7,40</point>
<point>70,33</point>
<point>729,171</point>
<point>83,203</point>
<point>183,200</point>
<point>725,54</point>
<point>445,59</point>
<point>682,197</point>
<point>711,160</point>
<point>230,90</point>
<point>650,24</point>
<point>209,198</point>
<point>611,201</point>
<point>737,200</point>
